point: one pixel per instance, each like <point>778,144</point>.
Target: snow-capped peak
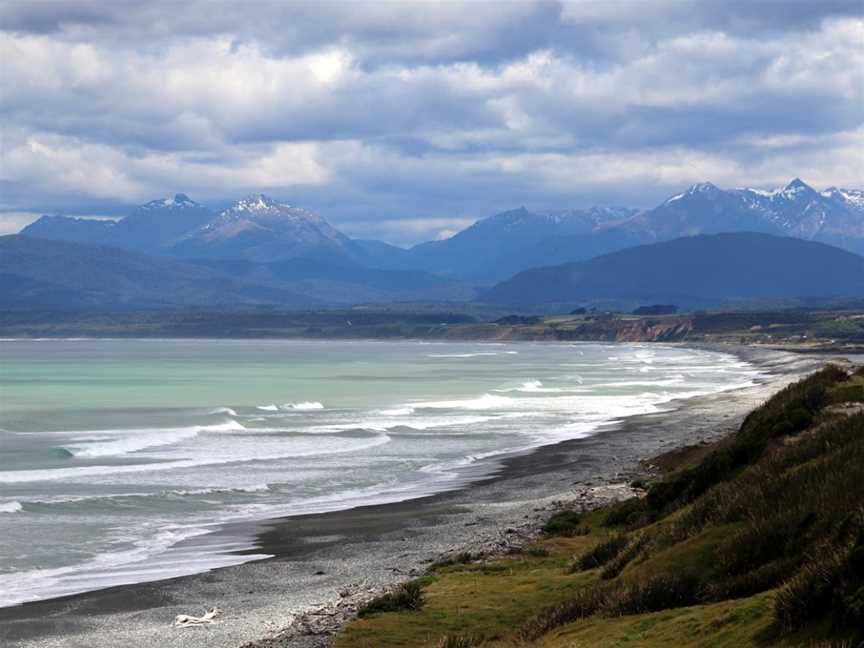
<point>256,202</point>
<point>791,191</point>
<point>259,208</point>
<point>795,187</point>
<point>701,187</point>
<point>177,200</point>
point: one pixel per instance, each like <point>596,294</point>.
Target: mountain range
<point>261,242</point>
<point>501,245</point>
<point>262,230</point>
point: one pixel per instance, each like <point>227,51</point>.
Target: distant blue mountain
<point>68,228</point>
<point>259,229</point>
<point>41,274</point>
<point>693,271</point>
<point>511,241</point>
<point>506,243</point>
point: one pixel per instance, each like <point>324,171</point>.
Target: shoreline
<point>325,564</point>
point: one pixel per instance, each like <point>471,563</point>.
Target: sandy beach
<point>324,565</point>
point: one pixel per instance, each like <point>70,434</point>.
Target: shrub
<point>808,594</point>
<point>659,592</point>
<point>631,513</point>
<point>831,582</point>
<point>600,554</point>
<point>619,562</point>
<point>788,488</point>
<point>749,583</point>
<point>565,523</point>
<point>764,540</point>
<point>789,411</point>
<point>685,486</point>
<point>847,393</point>
<point>409,596</point>
<point>583,604</point>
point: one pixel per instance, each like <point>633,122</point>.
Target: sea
<point>119,459</point>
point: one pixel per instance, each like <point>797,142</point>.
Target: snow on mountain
<point>177,200</point>
<point>852,198</point>
<point>703,188</point>
<point>261,228</point>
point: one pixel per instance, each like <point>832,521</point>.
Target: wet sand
<point>326,564</point>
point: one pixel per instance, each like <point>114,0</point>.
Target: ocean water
<point>118,457</point>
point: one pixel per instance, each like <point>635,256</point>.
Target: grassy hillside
<point>755,541</point>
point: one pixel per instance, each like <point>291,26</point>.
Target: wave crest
<point>140,439</point>
<point>303,405</point>
<point>484,402</point>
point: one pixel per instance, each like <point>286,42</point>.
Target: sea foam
<point>304,405</point>
<point>484,402</point>
<point>135,440</point>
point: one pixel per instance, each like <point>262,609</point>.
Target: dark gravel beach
<point>325,564</point>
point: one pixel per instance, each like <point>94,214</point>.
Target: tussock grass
<point>459,641</point>
<point>566,524</point>
<point>633,548</point>
<point>661,592</point>
<point>631,514</point>
<point>761,579</point>
<point>601,553</point>
<point>581,605</point>
<point>831,582</point>
<point>409,596</point>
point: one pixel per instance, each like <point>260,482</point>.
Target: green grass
<point>490,599</point>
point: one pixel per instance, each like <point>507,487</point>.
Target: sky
<point>406,121</point>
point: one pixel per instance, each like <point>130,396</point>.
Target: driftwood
<point>186,621</point>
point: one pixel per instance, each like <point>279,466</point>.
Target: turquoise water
<point>114,453</point>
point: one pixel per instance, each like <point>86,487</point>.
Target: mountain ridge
<point>263,230</point>
<point>696,271</point>
<point>43,273</point>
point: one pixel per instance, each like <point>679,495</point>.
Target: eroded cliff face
<point>667,329</point>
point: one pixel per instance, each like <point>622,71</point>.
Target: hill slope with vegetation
<point>695,271</point>
<point>757,540</point>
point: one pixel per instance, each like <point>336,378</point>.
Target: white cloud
<point>55,166</point>
<point>12,222</point>
<point>420,108</point>
<point>409,230</point>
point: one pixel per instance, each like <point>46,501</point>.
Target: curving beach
<point>323,565</point>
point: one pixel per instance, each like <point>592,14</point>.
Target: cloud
<point>408,230</point>
<point>408,113</point>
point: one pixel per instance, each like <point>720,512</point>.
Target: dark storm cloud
<point>419,112</point>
